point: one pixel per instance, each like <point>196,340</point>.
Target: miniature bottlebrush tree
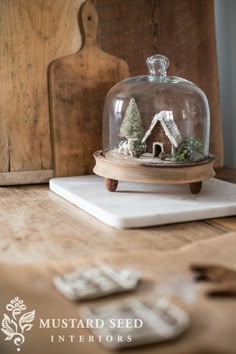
<point>131,126</point>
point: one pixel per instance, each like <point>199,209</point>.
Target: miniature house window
<point>156,121</point>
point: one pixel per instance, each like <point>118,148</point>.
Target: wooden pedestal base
<point>137,170</point>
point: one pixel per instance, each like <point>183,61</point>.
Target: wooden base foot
<point>111,184</point>
<point>195,187</point>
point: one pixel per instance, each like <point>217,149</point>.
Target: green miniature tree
<point>131,126</point>
<point>191,149</point>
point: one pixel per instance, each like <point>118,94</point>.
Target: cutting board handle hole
<point>89,18</point>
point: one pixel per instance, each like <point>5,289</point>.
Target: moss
<point>139,148</point>
<point>189,148</point>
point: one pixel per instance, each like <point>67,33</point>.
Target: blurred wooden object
<point>78,87</point>
<point>33,33</point>
<point>183,30</point>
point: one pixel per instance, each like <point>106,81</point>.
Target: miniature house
<point>163,134</point>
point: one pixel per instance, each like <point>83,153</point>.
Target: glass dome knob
<point>157,65</point>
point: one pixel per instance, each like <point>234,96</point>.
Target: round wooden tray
<point>122,170</point>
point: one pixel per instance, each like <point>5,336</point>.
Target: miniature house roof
<point>167,122</point>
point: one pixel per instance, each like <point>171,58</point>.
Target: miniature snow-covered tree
<point>131,126</point>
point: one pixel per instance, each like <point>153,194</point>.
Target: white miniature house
<point>165,120</point>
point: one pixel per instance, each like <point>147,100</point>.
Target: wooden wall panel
<point>183,30</point>
<point>32,34</point>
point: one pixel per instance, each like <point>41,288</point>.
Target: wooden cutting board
<point>33,34</point>
<point>78,85</point>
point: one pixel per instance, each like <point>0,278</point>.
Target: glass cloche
<point>156,130</point>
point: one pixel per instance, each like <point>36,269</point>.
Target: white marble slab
<point>139,205</point>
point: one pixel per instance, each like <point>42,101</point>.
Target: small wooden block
<point>96,282</point>
<point>142,322</point>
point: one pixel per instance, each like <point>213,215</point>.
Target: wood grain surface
<point>33,33</point>
<point>37,225</point>
<point>78,87</point>
<point>183,30</point>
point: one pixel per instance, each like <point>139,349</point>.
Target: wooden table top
<point>38,226</point>
<point>43,235</point>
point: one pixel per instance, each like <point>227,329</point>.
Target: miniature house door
<point>157,149</point>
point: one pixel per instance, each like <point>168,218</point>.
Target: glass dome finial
<point>157,65</point>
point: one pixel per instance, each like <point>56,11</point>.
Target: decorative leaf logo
<point>13,327</point>
<point>6,327</point>
<point>25,320</point>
